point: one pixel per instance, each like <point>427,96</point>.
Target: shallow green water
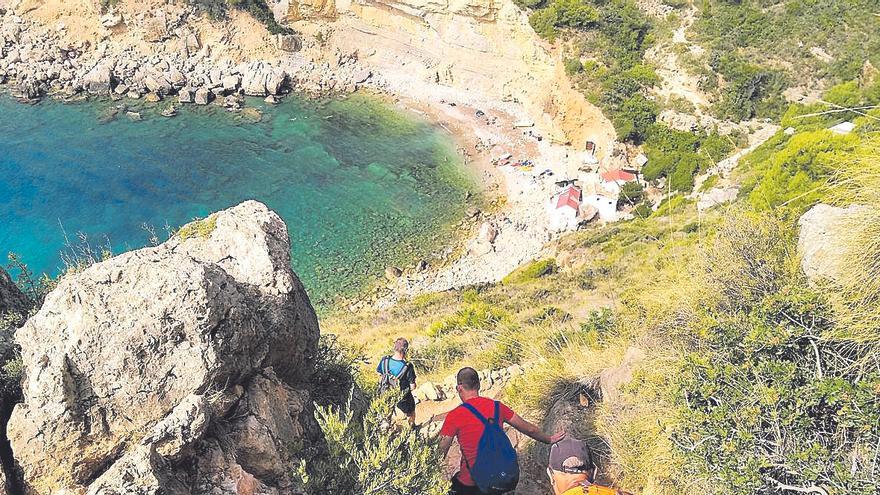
<point>360,184</point>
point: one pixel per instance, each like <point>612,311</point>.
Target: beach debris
<point>480,113</point>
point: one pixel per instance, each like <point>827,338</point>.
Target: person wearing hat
<point>572,470</point>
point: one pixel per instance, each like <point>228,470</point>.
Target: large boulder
<point>99,79</point>
<point>822,230</point>
<point>171,369</point>
<point>262,79</point>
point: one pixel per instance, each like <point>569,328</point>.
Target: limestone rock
<point>821,230</point>
<point>716,196</point>
<point>11,297</point>
<point>262,79</point>
<point>99,79</point>
<point>129,362</point>
<point>185,95</point>
<point>203,96</point>
<point>393,273</point>
<point>288,43</point>
<point>429,391</point>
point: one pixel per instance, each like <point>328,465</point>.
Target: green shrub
<point>643,210</point>
<point>749,91</point>
<point>770,375</point>
<point>670,204</point>
<point>372,455</point>
<point>544,23</point>
<point>440,353</point>
<point>679,155</point>
<point>573,14</point>
<point>198,228</point>
<point>795,175</point>
<point>219,9</point>
<point>473,316</point>
<point>634,118</point>
<point>573,66</point>
<point>531,271</point>
<point>632,193</point>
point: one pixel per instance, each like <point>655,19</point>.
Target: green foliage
<point>573,66</point>
<point>219,9</point>
<point>749,91</point>
<point>336,370</point>
<point>766,399</point>
<point>794,175</point>
<point>632,193</point>
<point>572,14</point>
<point>709,183</point>
<point>531,271</point>
<point>781,35</point>
<point>372,455</point>
<point>670,205</point>
<point>198,229</point>
<point>626,31</point>
<point>679,155</point>
<point>473,316</point>
<point>634,118</point>
<point>594,332</point>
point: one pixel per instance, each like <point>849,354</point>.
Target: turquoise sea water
<point>360,184</point>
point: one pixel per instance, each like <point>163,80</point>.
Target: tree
<point>631,193</point>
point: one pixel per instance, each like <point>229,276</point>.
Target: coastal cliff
<point>480,52</point>
<point>179,368</point>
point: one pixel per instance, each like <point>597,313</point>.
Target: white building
<point>606,206</point>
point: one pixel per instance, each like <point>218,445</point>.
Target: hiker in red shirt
<point>464,425</point>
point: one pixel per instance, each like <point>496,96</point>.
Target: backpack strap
<point>406,365</point>
<point>476,413</point>
<point>497,413</point>
<point>385,365</point>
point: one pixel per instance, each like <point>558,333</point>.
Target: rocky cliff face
<point>11,298</point>
<point>172,369</point>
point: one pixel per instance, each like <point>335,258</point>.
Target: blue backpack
<point>496,469</point>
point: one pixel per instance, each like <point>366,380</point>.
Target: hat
<point>571,456</point>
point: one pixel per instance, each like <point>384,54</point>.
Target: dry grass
<point>856,292</point>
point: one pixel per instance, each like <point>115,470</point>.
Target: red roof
<point>571,197</point>
<point>618,175</point>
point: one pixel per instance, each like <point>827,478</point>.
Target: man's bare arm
<point>533,431</point>
<point>445,443</point>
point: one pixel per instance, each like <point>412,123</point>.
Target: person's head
<point>467,382</point>
<point>401,346</point>
<point>570,465</point>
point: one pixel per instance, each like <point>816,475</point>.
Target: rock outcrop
<point>822,229</point>
<point>172,369</point>
<point>11,298</point>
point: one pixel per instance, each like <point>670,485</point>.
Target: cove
<point>360,184</point>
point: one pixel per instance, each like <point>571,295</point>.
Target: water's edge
<point>362,185</point>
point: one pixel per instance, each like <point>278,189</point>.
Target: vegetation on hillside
<point>259,9</point>
<point>754,380</point>
<point>364,451</point>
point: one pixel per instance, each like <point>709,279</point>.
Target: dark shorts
<point>461,489</point>
<point>407,405</point>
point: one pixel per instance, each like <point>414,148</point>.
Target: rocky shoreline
<point>176,66</point>
<point>37,62</point>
